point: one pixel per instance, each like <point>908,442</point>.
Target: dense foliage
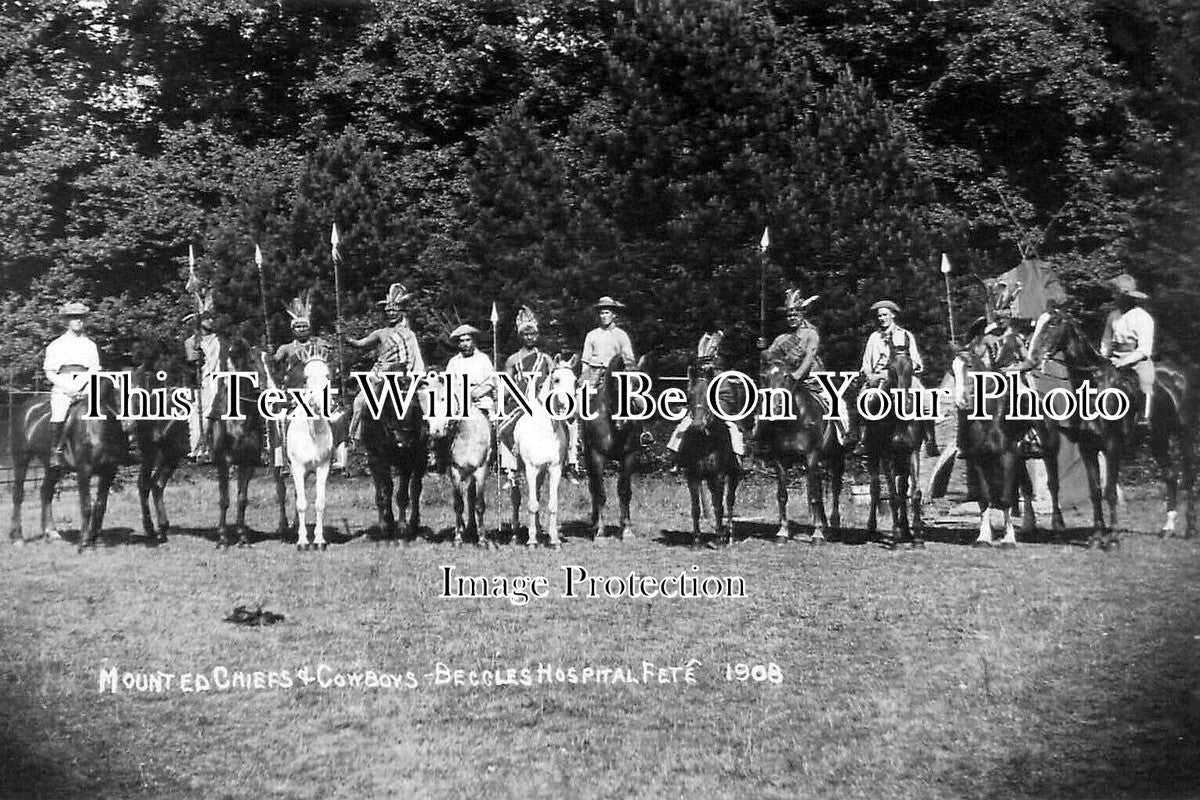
<point>550,151</point>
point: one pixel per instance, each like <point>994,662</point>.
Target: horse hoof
<point>916,544</point>
<point>981,543</point>
<point>324,546</point>
<point>17,542</point>
<point>817,538</point>
<point>1008,545</point>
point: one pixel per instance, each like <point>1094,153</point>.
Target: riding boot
<point>57,433</point>
<point>931,446</point>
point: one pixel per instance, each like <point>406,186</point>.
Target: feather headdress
<point>710,343</point>
<point>300,309</point>
<point>396,296</point>
<point>205,308</point>
<point>795,300</point>
<point>526,320</point>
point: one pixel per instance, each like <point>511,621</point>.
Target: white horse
<point>540,442</point>
<point>466,447</point>
<point>311,443</point>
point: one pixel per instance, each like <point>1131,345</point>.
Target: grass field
<point>1049,671</point>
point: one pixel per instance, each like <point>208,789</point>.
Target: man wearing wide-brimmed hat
<point>1128,339</point>
<point>396,350</point>
<point>69,360</point>
<point>477,367</point>
<point>883,344</point>
<point>605,341</point>
<point>211,352</point>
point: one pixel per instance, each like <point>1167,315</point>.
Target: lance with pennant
<point>337,310</point>
<point>949,302</point>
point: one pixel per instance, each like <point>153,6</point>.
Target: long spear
<point>949,302</point>
<point>763,245</point>
<point>337,311</point>
<point>495,319</point>
<point>262,294</point>
<point>193,286</point>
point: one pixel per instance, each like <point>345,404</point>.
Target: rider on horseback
<point>478,368</point>
<point>600,346</point>
<point>290,358</point>
<point>396,349</point>
<point>212,354</point>
<point>529,359</point>
<point>69,359</point>
<point>708,354</point>
<point>1128,339</point>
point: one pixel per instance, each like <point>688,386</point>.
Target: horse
<point>162,443</point>
<point>399,444</point>
<point>1171,418</point>
<point>95,448</point>
<point>706,450</point>
<point>805,437</point>
<point>995,444</point>
<point>238,442</point>
<point>605,440</point>
<point>540,442</point>
<point>891,444</point>
<point>311,440</point>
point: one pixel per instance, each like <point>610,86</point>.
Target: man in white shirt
<point>69,360</point>
<point>212,354</point>
<point>1128,339</point>
<point>481,379</point>
<point>605,341</point>
<point>889,339</point>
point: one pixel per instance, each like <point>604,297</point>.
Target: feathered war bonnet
<point>794,300</point>
<point>526,320</point>
<point>300,310</point>
<point>205,308</point>
<point>710,343</point>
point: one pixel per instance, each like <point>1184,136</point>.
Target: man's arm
<point>1106,338</point>
<point>870,354</point>
<point>414,351</point>
<point>589,348</point>
<point>627,349</point>
<point>917,362</point>
<point>811,341</point>
<point>368,340</point>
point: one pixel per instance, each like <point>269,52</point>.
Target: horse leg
<point>895,533</point>
<point>245,473</point>
<point>873,469</point>
<point>553,478</point>
<point>83,481</point>
<point>625,492</point>
<point>1091,465</point>
<point>816,500</point>
<point>1025,497</point>
<point>900,499</point>
<point>319,505</point>
<point>693,483</point>
<point>1112,461</point>
<point>514,497</point>
<point>459,486</point>
<point>476,506</point>
<point>223,501</point>
<point>415,483</point>
<point>984,539</point>
<point>281,500</point>
<point>1057,524</point>
<point>731,484</point>
<point>104,482</point>
<point>1187,467</point>
<point>145,477</point>
<point>837,466</point>
<point>915,499</point>
<point>21,466</point>
<point>1013,470</point>
<point>162,477</point>
<point>781,496</point>
<point>718,502</point>
<point>298,476</point>
<point>381,475</point>
<point>1161,450</point>
<point>595,468</point>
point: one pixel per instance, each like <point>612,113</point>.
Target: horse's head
<point>316,370</point>
<point>776,376</point>
<point>900,371</point>
<point>560,384</point>
<point>1052,335</point>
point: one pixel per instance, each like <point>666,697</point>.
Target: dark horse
<point>400,444</point>
<point>997,446</point>
<point>162,443</point>
<point>706,454</point>
<point>891,445</point>
<point>605,440</point>
<point>1171,417</point>
<point>804,436</point>
<point>95,448</point>
<point>239,443</point>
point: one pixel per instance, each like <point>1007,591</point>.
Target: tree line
<point>546,152</point>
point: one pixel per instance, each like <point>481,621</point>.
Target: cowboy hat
<point>74,309</point>
<point>396,295</point>
<point>888,304</point>
<point>607,302</point>
<point>794,300</point>
<point>463,330</point>
<point>1126,285</point>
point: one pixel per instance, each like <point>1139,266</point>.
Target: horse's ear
<point>573,361</point>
